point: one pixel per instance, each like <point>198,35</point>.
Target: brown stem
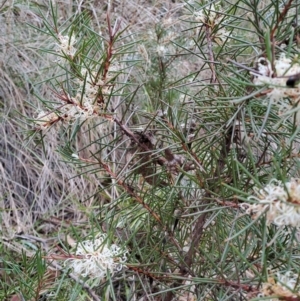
<point>109,50</point>
<point>210,53</point>
<point>160,160</point>
<point>199,226</point>
<point>273,30</point>
<point>281,18</point>
<point>131,192</point>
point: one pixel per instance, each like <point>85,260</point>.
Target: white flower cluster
<point>44,120</point>
<point>207,15</point>
<point>282,288</point>
<point>212,18</point>
<point>93,92</point>
<point>165,44</point>
<point>94,258</point>
<point>161,50</point>
<point>280,202</point>
<point>92,83</point>
<point>71,109</point>
<point>285,68</point>
<point>66,45</point>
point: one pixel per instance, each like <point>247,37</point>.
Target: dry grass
<point>35,182</point>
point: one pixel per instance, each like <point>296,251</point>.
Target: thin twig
<point>199,226</point>
<point>273,30</point>
<point>210,53</point>
<point>131,192</point>
<point>160,160</point>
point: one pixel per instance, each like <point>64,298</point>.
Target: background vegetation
<point>140,121</point>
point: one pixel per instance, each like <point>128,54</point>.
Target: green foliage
<point>171,132</point>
